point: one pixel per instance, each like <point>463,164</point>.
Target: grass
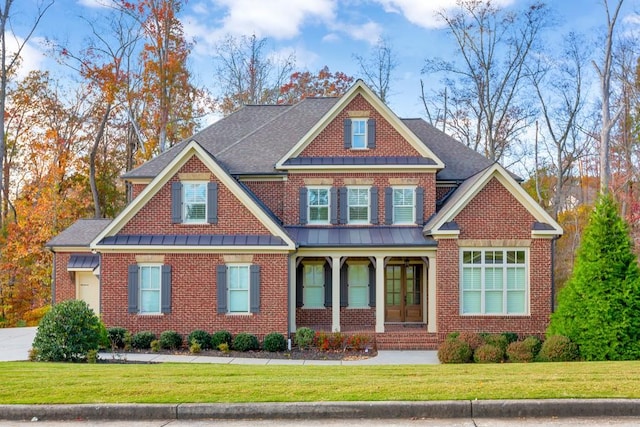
<point>33,383</point>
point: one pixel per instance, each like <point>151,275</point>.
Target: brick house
<point>332,213</point>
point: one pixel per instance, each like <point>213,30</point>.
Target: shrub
<point>92,356</point>
<point>223,347</point>
<point>67,333</point>
<point>274,342</point>
<point>142,340</point>
<point>454,350</point>
<point>304,337</point>
<point>523,351</point>
<point>511,337</point>
<point>116,337</point>
<point>558,348</point>
<point>358,342</point>
<point>155,346</point>
<point>498,340</point>
<point>474,339</point>
<point>221,337</point>
<point>488,353</point>
<point>195,348</point>
<point>202,338</point>
<point>170,340</point>
<point>245,342</point>
<point>322,340</point>
<point>128,340</point>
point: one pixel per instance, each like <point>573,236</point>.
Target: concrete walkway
<point>15,343</point>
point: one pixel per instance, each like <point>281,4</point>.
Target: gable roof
<point>192,148</point>
<point>79,235</point>
<point>441,224</point>
<point>359,88</point>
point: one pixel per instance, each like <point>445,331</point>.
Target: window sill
<point>315,308</point>
<point>151,314</point>
<point>247,314</point>
<point>494,315</point>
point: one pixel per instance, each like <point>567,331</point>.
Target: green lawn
<point>25,382</point>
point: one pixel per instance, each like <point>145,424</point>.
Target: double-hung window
<point>150,283</point>
<point>195,202</point>
<point>404,207</point>
<point>313,284</point>
<point>318,205</point>
<point>359,133</point>
<point>238,286</point>
<point>358,280</point>
<point>493,281</point>
<point>358,201</point>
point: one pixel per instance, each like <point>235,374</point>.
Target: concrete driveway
<point>15,343</point>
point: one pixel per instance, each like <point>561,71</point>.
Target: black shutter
<point>347,133</point>
<point>344,285</point>
<point>333,204</point>
<point>327,285</point>
<point>165,289</point>
<point>419,205</point>
<point>212,202</point>
<point>373,205</point>
<point>303,205</point>
<point>388,205</point>
<point>344,205</point>
<point>132,288</point>
<point>371,133</point>
<point>221,284</point>
<point>176,202</point>
<point>372,285</point>
<point>299,289</point>
<point>254,289</point>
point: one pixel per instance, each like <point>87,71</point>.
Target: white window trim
<point>413,205</point>
<point>482,265</point>
<point>368,205</point>
<point>366,264</point>
<point>312,221</point>
<point>140,290</point>
<point>365,135</point>
<point>186,220</point>
<point>304,300</point>
<point>229,290</point>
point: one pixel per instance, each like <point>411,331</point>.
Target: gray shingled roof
<point>192,240</point>
<point>81,233</point>
<point>359,236</point>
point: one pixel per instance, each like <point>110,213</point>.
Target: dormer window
<point>195,202</point>
<point>359,133</point>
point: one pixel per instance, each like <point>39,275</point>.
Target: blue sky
<point>319,32</point>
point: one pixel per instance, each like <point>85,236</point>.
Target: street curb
<point>537,408</point>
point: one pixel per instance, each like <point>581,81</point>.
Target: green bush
<point>195,348</point>
<point>511,337</point>
<point>170,340</point>
<point>201,337</point>
<point>488,353</point>
<point>304,337</point>
<point>142,340</point>
<point>155,346</point>
<point>523,351</point>
<point>245,342</point>
<point>117,337</point>
<point>498,340</point>
<point>454,350</point>
<point>474,339</point>
<point>221,337</point>
<point>274,342</point>
<point>67,333</point>
<point>558,348</point>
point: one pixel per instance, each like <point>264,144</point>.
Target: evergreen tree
<point>599,307</point>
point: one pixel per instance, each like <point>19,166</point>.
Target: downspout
<point>553,273</point>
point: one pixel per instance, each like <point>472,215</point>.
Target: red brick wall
<point>313,318</point>
<point>381,180</point>
<point>65,287</point>
<point>330,142</point>
<point>194,300</point>
<point>271,193</point>
<point>351,319</point>
<point>136,189</point>
<point>494,214</point>
<point>155,216</point>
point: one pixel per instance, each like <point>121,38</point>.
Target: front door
<point>88,289</point>
<point>403,293</point>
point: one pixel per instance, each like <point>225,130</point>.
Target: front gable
<point>156,218</point>
<point>387,143</point>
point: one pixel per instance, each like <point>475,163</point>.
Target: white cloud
<point>369,32</point>
<point>31,56</point>
<point>94,4</point>
<point>423,12</point>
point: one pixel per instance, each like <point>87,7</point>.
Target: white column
<point>335,294</point>
<point>380,294</point>
<point>292,293</point>
<point>431,312</point>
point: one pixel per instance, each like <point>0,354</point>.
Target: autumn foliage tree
<point>303,84</point>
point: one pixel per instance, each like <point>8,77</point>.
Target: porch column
<point>292,294</point>
<point>431,282</point>
<point>335,294</point>
<point>380,302</point>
